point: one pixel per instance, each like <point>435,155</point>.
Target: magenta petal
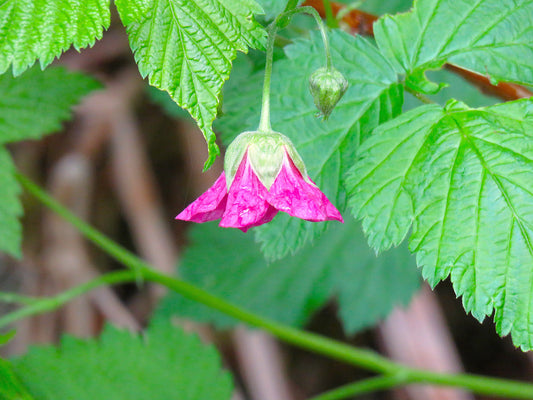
<point>247,204</point>
<point>210,205</point>
<point>291,193</point>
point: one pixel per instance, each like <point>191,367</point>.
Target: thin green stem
<point>309,341</point>
<point>323,31</point>
<point>40,306</point>
<point>280,22</point>
<point>264,122</point>
<point>361,387</point>
<point>330,18</point>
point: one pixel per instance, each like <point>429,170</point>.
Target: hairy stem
<point>309,341</point>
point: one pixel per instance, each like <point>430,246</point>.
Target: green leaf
<point>10,207</point>
<point>31,105</point>
<point>163,364</point>
<point>10,387</point>
<point>229,264</point>
<point>186,48</point>
<point>327,147</point>
<point>43,29</point>
<point>464,179</point>
<point>491,37</point>
<point>36,102</point>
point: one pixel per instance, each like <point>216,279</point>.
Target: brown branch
<point>361,22</point>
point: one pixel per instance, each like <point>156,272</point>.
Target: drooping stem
<point>309,341</point>
<point>281,22</point>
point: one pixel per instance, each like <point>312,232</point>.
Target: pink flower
<point>267,180</point>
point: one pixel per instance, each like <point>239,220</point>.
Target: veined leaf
<point>290,290</point>
<point>43,29</point>
<point>491,37</point>
<point>464,178</point>
<point>186,47</point>
<point>164,364</point>
<point>327,147</point>
<point>36,102</point>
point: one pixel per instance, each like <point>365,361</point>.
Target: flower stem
<point>280,22</point>
<point>321,345</point>
<point>264,122</point>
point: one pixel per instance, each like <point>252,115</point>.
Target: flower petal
<point>292,194</point>
<point>247,204</point>
<point>210,205</point>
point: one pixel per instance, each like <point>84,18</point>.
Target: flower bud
<point>327,85</point>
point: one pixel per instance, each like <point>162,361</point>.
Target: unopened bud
<point>327,85</point>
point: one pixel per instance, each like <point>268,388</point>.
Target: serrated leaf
<point>10,387</point>
<point>466,180</point>
<point>36,102</point>
<point>491,37</point>
<point>326,147</point>
<point>43,29</point>
<point>229,264</point>
<point>10,207</point>
<point>186,48</point>
<point>164,364</point>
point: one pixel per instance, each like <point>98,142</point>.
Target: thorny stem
<point>306,340</point>
<point>281,22</point>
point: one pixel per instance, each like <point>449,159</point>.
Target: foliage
<point>164,363</point>
<point>456,179</point>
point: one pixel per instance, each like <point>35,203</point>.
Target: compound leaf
<point>163,364</point>
<point>43,29</point>
<point>186,48</point>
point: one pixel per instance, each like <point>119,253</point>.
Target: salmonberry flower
<point>263,174</point>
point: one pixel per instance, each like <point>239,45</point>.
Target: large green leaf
<point>491,37</point>
<point>464,179</point>
<point>229,264</point>
<point>327,147</point>
<point>43,29</point>
<point>36,102</point>
<point>10,207</point>
<point>10,387</point>
<point>186,47</point>
<point>163,364</point>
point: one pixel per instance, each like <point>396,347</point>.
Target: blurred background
<point>130,160</point>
